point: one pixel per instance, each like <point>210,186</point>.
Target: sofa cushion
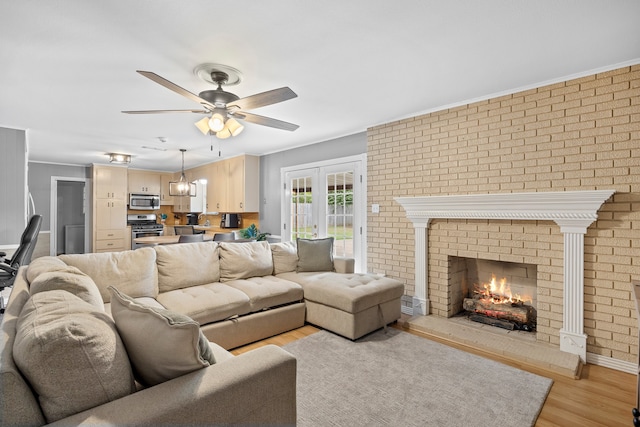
<point>42,265</point>
<point>285,257</point>
<point>133,272</point>
<point>352,293</point>
<point>315,255</point>
<point>268,291</point>
<point>207,303</point>
<point>178,263</point>
<point>244,260</point>
<point>69,279</point>
<point>161,344</point>
<point>71,354</point>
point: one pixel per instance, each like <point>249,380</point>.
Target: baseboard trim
<point>610,362</point>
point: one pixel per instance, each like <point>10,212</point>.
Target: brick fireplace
<point>572,211</point>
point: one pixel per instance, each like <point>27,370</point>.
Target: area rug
<point>393,378</point>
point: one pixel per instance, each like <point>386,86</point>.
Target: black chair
<point>183,230</point>
<point>223,237</point>
<point>186,230</point>
<point>22,255</point>
<point>191,238</point>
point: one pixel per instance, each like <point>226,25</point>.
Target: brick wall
<point>582,134</point>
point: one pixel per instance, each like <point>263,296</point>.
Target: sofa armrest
<point>344,265</point>
<point>253,388</point>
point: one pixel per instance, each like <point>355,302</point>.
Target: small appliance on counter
<point>230,221</point>
<point>192,219</point>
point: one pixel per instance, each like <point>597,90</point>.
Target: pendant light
<point>182,187</point>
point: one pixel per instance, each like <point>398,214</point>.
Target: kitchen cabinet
<point>217,187</point>
<point>144,182</point>
<point>109,182</point>
<point>244,184</point>
<point>109,208</point>
<point>165,198</point>
<point>235,187</point>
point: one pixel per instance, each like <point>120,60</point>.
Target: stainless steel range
<point>143,225</point>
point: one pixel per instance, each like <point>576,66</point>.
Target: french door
<point>327,199</point>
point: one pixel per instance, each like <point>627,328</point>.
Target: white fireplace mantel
<point>573,211</point>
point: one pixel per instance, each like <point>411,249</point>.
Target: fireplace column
<point>421,297</point>
<point>572,336</point>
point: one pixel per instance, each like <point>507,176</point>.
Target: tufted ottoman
<point>351,305</point>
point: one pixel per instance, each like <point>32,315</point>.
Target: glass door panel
<point>301,208</point>
<point>339,212</point>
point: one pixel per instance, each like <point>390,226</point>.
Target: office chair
<point>190,238</point>
<point>22,255</point>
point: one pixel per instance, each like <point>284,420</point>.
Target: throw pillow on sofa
<point>315,255</point>
<point>69,279</point>
<point>285,257</point>
<point>134,272</point>
<point>244,260</point>
<point>71,354</point>
<point>161,344</point>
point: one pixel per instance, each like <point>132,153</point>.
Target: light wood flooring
<point>601,397</point>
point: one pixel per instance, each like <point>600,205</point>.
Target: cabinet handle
<point>109,244</point>
<point>110,234</point>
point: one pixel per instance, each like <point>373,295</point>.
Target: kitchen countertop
<point>165,240</point>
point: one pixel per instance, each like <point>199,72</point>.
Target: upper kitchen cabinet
<point>110,182</point>
<point>165,198</point>
<point>217,187</point>
<point>144,182</point>
<point>234,186</point>
<point>244,184</point>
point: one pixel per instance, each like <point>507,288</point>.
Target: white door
<point>327,199</point>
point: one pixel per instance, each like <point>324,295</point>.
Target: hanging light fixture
<point>182,187</point>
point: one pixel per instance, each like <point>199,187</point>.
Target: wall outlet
<point>375,208</point>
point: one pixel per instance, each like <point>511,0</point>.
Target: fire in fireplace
<point>508,302</point>
<point>496,305</point>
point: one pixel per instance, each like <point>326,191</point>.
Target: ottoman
<point>351,305</point>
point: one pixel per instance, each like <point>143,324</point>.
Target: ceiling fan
<point>222,107</point>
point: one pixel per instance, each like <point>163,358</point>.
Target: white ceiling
<point>68,67</point>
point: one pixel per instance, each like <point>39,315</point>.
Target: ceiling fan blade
<point>265,121</point>
<point>265,98</point>
<point>166,111</point>
<point>174,87</point>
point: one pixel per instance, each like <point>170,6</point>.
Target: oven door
<point>142,233</point>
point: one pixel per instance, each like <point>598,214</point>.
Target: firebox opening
<point>498,293</point>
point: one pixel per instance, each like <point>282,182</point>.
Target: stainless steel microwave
<point>145,202</point>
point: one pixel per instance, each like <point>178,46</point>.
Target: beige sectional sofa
<point>230,294</point>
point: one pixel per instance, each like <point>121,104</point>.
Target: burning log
<point>514,312</point>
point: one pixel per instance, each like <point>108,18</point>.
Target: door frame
<point>53,212</point>
<point>360,207</point>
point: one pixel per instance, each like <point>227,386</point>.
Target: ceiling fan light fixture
<point>224,133</point>
<point>203,125</point>
<point>216,122</point>
<point>234,126</point>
